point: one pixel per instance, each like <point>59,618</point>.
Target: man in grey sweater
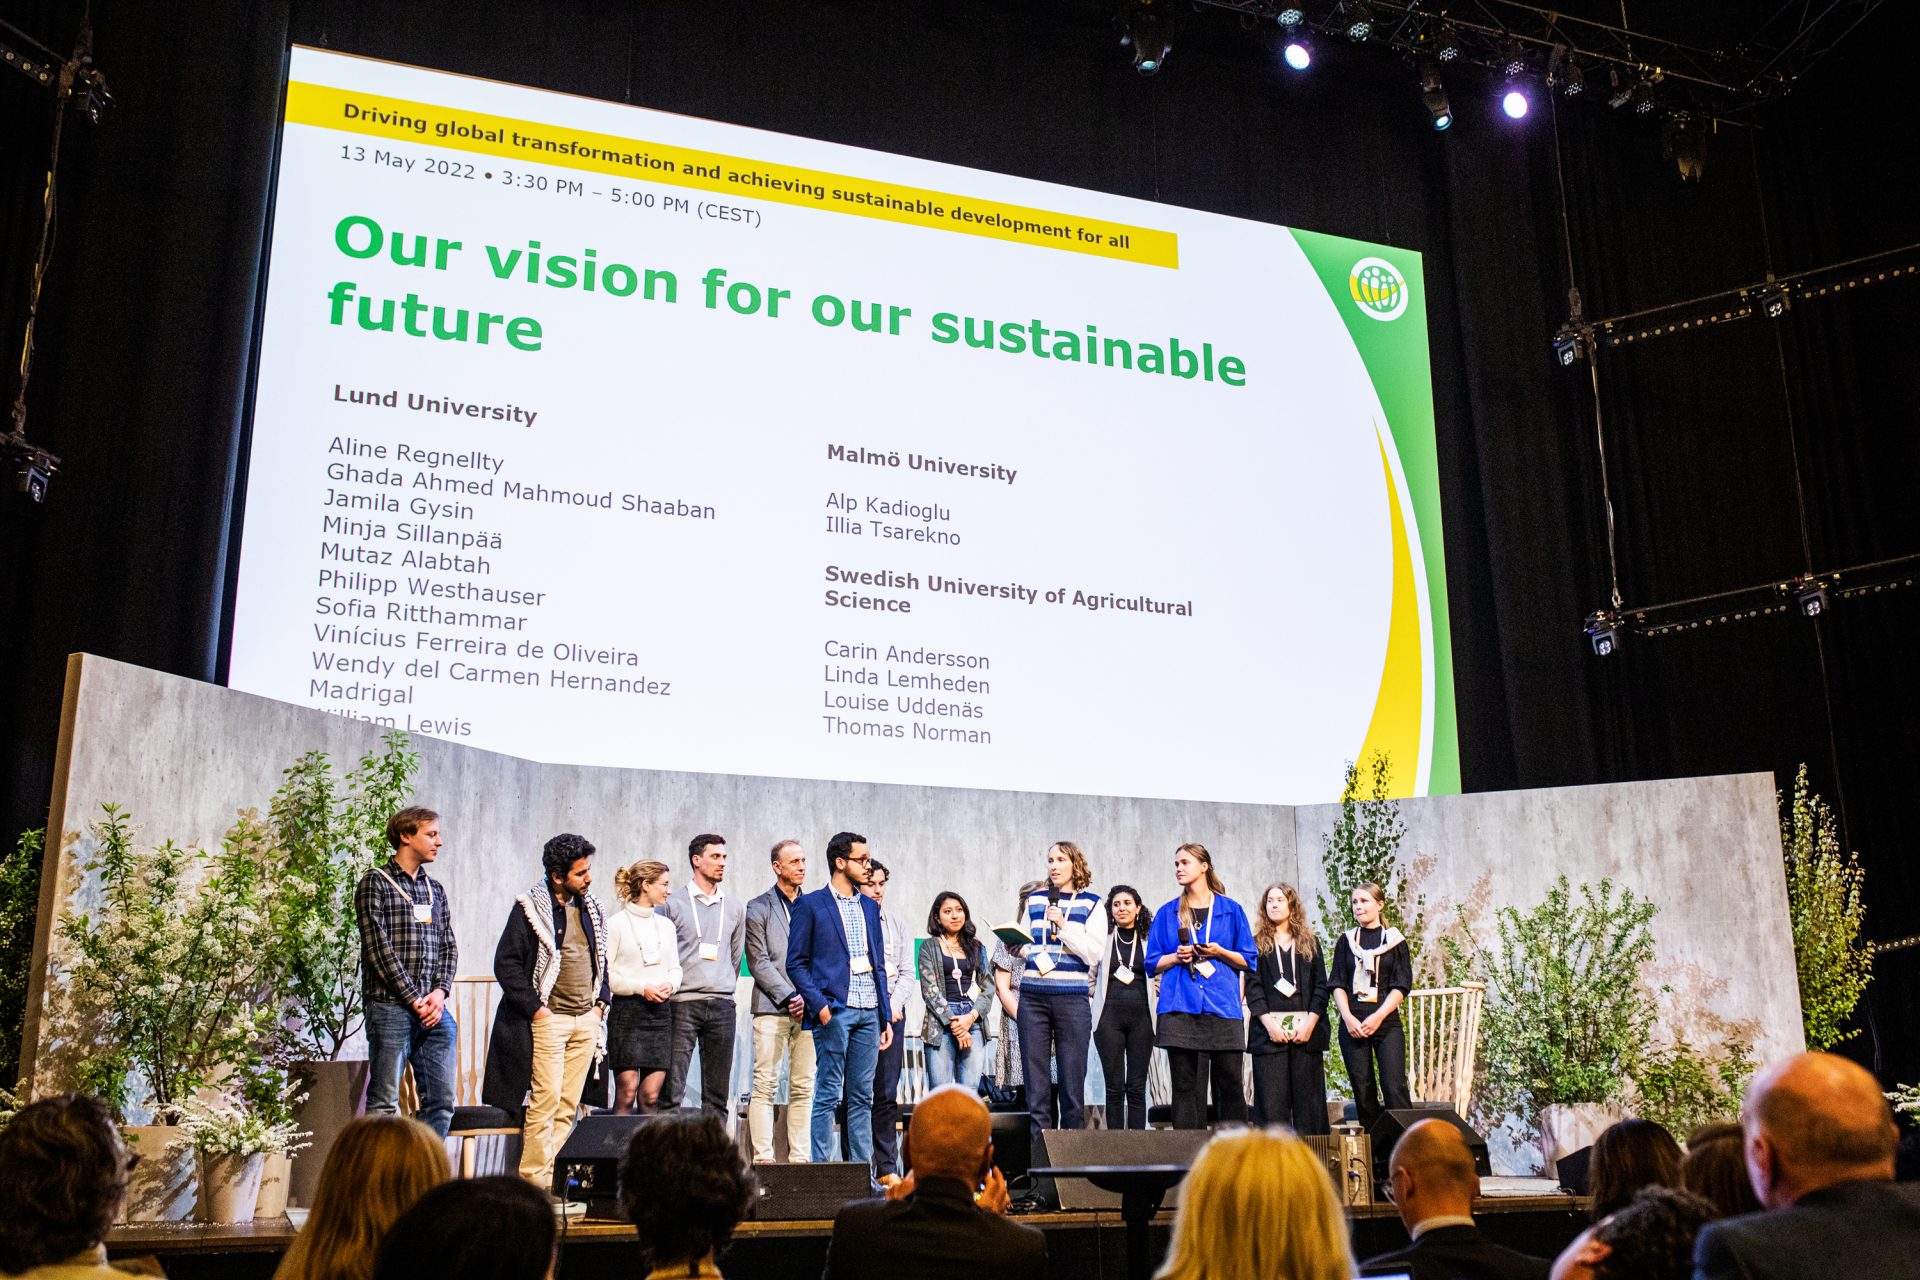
<point>713,940</point>
<point>778,1036</point>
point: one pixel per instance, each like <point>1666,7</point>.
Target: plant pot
<point>336,1093</point>
<point>275,1171</point>
<point>161,1187</point>
<point>1566,1127</point>
<point>229,1186</point>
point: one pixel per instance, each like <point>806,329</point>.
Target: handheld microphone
<point>1053,900</point>
<point>1186,937</point>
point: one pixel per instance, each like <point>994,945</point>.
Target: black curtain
<point>1716,442</point>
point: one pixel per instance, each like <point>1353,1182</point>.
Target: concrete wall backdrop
<point>183,757</point>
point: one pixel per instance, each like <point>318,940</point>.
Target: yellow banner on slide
<point>531,142</point>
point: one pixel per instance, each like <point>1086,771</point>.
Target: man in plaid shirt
<point>407,962</point>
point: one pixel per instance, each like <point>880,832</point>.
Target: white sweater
<point>631,934</point>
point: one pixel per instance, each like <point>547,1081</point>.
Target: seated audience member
<point>685,1186</point>
<point>63,1173</point>
<point>1434,1183</point>
<point>1650,1239</point>
<point>1626,1157</point>
<point>497,1228</point>
<point>1715,1169</point>
<point>1258,1205</point>
<point>1820,1141</point>
<point>931,1218</point>
<point>379,1166</point>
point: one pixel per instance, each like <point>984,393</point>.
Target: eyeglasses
<point>861,861</point>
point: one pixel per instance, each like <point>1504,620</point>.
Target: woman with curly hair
<point>1287,995</point>
<point>63,1174</point>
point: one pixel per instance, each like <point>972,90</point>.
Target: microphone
<point>1186,937</point>
<point>1053,900</point>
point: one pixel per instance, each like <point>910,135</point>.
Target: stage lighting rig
<point>1144,31</point>
<point>1433,95</point>
<point>1772,300</point>
<point>33,468</point>
<point>1446,43</point>
<point>1358,17</point>
<point>1571,345</point>
<point>1604,632</point>
<point>1811,595</point>
<point>1683,140</point>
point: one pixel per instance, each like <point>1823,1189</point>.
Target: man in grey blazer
<point>778,1036</point>
<point>1820,1140</point>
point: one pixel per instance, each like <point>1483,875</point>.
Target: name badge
<point>862,964</point>
<point>1043,963</point>
<point>709,951</point>
<point>1122,974</point>
<point>1366,992</point>
<point>1204,968</point>
<point>423,912</point>
<point>649,955</point>
<point>973,989</point>
<point>1284,987</point>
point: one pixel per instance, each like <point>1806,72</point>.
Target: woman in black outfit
<point>1372,973</point>
<point>1123,1010</point>
<point>1287,1032</point>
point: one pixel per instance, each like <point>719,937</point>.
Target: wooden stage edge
<point>274,1235</point>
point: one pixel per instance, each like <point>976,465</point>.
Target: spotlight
<point>1569,345</point>
<point>1434,95</point>
<point>1566,75</point>
<point>1515,63</point>
<point>1146,34</point>
<point>1604,632</point>
<point>1683,140</point>
<point>1298,53</point>
<point>1621,87</point>
<point>1514,102</point>
<point>33,467</point>
<point>1359,20</point>
<point>1446,43</point>
<point>1292,16</point>
<point>1812,597</point>
<point>1772,300</point>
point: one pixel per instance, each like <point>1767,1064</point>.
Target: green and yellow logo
<point>1378,288</point>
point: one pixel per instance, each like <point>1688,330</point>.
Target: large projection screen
<point>599,435</point>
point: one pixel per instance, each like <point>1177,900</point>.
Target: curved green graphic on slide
<point>1379,292</point>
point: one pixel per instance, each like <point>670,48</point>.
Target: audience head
<point>1650,1239</point>
<point>474,1228</point>
<point>1432,1173</point>
<point>1628,1156</point>
<point>1715,1169</point>
<point>66,1173</point>
<point>379,1166</point>
<point>1257,1205</point>
<point>1815,1121</point>
<point>685,1187</point>
<point>950,1136</point>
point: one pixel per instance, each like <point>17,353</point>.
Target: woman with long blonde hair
<point>1287,997</point>
<point>1200,944</point>
<point>379,1165</point>
<point>643,972</point>
<point>1258,1205</point>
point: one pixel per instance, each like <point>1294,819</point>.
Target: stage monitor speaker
<point>1573,1171</point>
<point>1396,1121</point>
<point>588,1166</point>
<point>808,1192</point>
<point>1012,1144</point>
<point>1348,1158</point>
<point>1074,1147</point>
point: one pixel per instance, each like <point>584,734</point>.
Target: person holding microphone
<point>1287,1034</point>
<point>1056,1008</point>
<point>1372,973</point>
<point>1200,944</point>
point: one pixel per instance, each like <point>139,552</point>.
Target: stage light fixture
<point>1291,17</point>
<point>1683,140</point>
<point>1359,20</point>
<point>1513,101</point>
<point>1621,87</point>
<point>1433,95</point>
<point>1298,54</point>
<point>1812,596</point>
<point>1514,59</point>
<point>1604,632</point>
<point>1566,75</point>
<point>1446,43</point>
<point>1146,35</point>
<point>1570,345</point>
<point>1772,300</point>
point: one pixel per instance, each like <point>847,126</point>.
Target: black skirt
<point>639,1034</point>
<point>1204,1032</point>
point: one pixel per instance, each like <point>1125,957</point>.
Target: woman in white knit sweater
<point>643,969</point>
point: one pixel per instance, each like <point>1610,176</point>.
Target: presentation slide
<point>600,435</point>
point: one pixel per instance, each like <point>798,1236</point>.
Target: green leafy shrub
<point>19,907</point>
<point>1683,1087</point>
<point>1823,898</point>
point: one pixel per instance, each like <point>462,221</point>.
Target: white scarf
<point>1368,958</point>
<point>538,906</point>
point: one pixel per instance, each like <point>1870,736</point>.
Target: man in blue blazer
<point>836,960</point>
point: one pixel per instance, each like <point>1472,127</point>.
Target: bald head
<point>1432,1172</point>
<point>949,1134</point>
<point>1814,1121</point>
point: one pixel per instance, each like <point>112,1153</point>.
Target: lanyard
<point>1286,961</point>
<point>408,893</point>
<point>1133,949</point>
<point>1206,926</point>
<point>693,908</point>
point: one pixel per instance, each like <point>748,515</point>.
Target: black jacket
<point>510,1048</point>
<point>1310,995</point>
<point>937,1233</point>
<point>1855,1229</point>
<point>1457,1253</point>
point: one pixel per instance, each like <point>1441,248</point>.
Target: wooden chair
<point>1443,1043</point>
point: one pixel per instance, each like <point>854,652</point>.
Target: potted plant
<point>1568,1014</point>
<point>167,965</point>
<point>272,1095</point>
<point>232,1139</point>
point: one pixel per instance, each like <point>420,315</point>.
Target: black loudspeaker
<point>808,1192</point>
<point>1573,1171</point>
<point>1012,1144</point>
<point>1070,1148</point>
<point>1392,1123</point>
<point>588,1166</point>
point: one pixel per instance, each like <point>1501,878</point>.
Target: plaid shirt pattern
<point>862,993</point>
<point>401,958</point>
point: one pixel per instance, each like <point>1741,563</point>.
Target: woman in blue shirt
<point>1200,944</point>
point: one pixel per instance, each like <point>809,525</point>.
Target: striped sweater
<point>1079,945</point>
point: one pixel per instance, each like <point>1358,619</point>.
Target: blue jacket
<point>817,954</point>
<point>1181,989</point>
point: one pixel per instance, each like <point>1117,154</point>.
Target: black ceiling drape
<point>1715,440</point>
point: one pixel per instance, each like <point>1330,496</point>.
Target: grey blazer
<point>767,918</point>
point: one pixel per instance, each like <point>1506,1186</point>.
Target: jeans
<point>1388,1045</point>
<point>1290,1087</point>
<point>886,1103</point>
<point>563,1046</point>
<point>1225,1066</point>
<point>1125,1041</point>
<point>846,1051</point>
<point>708,1023</point>
<point>1055,1027</point>
<point>947,1062</point>
<point>395,1038</point>
<point>777,1039</point>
